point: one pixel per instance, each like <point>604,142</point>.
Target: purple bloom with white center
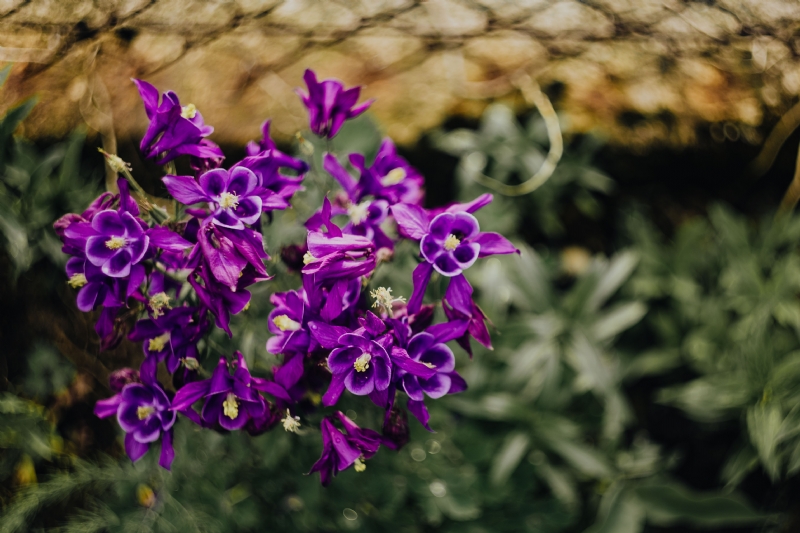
<point>144,412</point>
<point>450,243</point>
<point>341,450</point>
<point>175,130</point>
<point>227,252</point>
<point>170,337</point>
<point>220,299</point>
<point>425,348</point>
<point>329,104</point>
<point>232,197</point>
<point>117,242</point>
<point>390,177</point>
<point>230,401</point>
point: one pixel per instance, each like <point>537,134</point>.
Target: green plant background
<point>649,385</point>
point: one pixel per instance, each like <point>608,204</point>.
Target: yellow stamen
<point>291,423</point>
<point>157,344</point>
<point>362,363</point>
<point>359,465</point>
<point>308,258</point>
<point>284,323</point>
<point>144,412</point>
<point>429,365</point>
<point>384,299</point>
<point>358,213</point>
<point>228,200</point>
<point>395,176</point>
<point>451,242</point>
<point>189,111</point>
<point>190,363</point>
<point>158,302</point>
<point>230,407</point>
<point>115,243</point>
<point>76,281</point>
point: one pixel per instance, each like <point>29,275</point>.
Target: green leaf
<point>623,512</point>
<point>764,424</point>
<point>509,456</point>
<point>619,269</point>
<point>669,503</point>
<point>708,399</point>
<point>617,320</point>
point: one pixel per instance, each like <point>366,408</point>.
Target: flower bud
<point>119,378</point>
<point>292,256</point>
<point>395,429</point>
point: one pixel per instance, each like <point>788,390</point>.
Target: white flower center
<point>189,111</point>
<point>395,176</point>
<point>358,213</point>
<point>451,242</point>
<point>291,423</point>
<point>285,323</point>
<point>144,411</point>
<point>157,344</point>
<point>362,363</point>
<point>228,200</point>
<point>76,281</point>
<point>158,302</point>
<point>230,407</point>
<point>115,243</point>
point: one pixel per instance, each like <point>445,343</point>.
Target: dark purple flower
<point>232,196</point>
<point>426,349</point>
<point>329,104</point>
<point>340,450</point>
<point>220,299</point>
<point>116,242</point>
<point>227,252</point>
<point>144,412</point>
<point>389,178</point>
<point>170,337</point>
<point>266,162</point>
<point>119,378</point>
<point>450,243</point>
<point>175,130</point>
<point>230,401</point>
<point>395,428</point>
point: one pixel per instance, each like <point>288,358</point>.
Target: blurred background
<point>646,370</point>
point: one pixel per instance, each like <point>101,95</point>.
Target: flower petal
<point>185,189</point>
<point>96,250</point>
<point>118,266</point>
<point>108,223</point>
<point>214,182</point>
<point>242,181</point>
<point>437,386</point>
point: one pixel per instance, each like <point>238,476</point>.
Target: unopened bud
<point>119,378</point>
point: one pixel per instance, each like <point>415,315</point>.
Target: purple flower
<point>172,336</point>
<point>144,412</point>
<point>116,242</point>
<point>341,450</point>
<point>360,360</point>
<point>175,130</point>
<point>390,177</point>
<point>220,299</point>
<point>230,401</point>
<point>119,378</point>
<point>227,252</point>
<point>329,104</point>
<point>426,349</point>
<point>450,243</point>
<point>232,196</point>
<point>266,161</point>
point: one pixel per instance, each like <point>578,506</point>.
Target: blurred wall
<point>640,71</point>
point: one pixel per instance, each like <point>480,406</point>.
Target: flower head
<point>340,450</point>
<point>329,104</point>
<point>117,243</point>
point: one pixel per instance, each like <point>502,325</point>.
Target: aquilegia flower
<point>341,450</point>
<point>175,130</point>
<point>329,104</point>
<point>144,412</point>
<point>117,243</point>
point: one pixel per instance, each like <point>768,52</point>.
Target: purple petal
<point>465,226</point>
<point>118,266</point>
<point>107,407</point>
<point>341,360</point>
<point>441,357</point>
<point>430,249</point>
<point>88,296</point>
<point>411,219</point>
<point>149,429</point>
<point>360,383</point>
<point>419,410</point>
<point>466,254</point>
<point>108,223</point>
<point>442,226</point>
<point>474,205</point>
<point>401,359</point>
<point>96,250</point>
<point>249,209</point>
<point>457,383</point>
<point>348,183</point>
<point>459,295</point>
<point>421,277</point>
<point>214,182</point>
<point>326,335</point>
<point>135,449</point>
<point>412,388</point>
<point>138,248</point>
<point>437,386</point>
<point>446,265</point>
<point>494,243</point>
<point>334,391</point>
<point>419,343</point>
<point>167,240</point>
<point>167,451</point>
<point>383,372</point>
<point>185,189</point>
<point>190,393</point>
<point>448,331</point>
<point>242,181</point>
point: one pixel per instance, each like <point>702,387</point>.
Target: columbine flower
<point>342,450</point>
<point>390,177</point>
<point>230,401</point>
<point>287,324</point>
<point>425,349</point>
<point>143,411</point>
<point>232,196</point>
<point>170,337</point>
<point>227,252</point>
<point>450,243</point>
<point>329,104</point>
<point>175,130</point>
<point>118,242</point>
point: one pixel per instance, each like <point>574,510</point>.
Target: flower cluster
<point>180,277</point>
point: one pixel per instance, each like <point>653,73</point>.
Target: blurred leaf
<point>508,457</point>
<point>764,424</point>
